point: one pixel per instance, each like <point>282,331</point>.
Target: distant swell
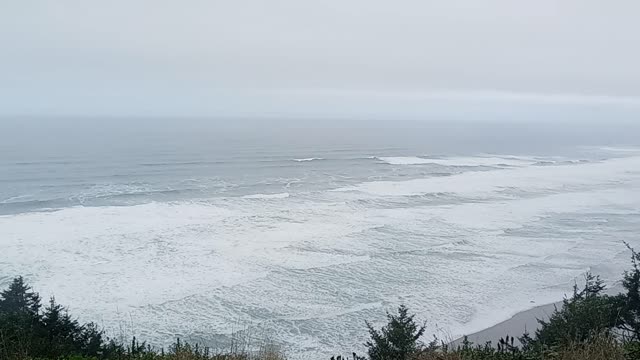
<point>140,193</point>
<point>181,163</point>
<point>7,208</point>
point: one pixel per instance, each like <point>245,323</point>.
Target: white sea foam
<point>404,160</point>
<point>16,198</point>
<point>456,161</point>
<point>300,266</point>
<point>555,178</point>
<point>620,149</point>
<point>267,196</point>
<point>483,161</point>
<point>308,159</point>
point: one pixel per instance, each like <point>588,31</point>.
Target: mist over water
<point>304,229</point>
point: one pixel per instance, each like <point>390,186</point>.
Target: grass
<point>603,347</point>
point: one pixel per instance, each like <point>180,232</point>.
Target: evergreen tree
<point>631,314</point>
<point>586,314</point>
<point>91,340</point>
<point>396,341</point>
<point>26,331</point>
<point>19,319</point>
<point>19,298</point>
<point>63,333</point>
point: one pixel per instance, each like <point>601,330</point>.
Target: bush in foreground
<point>587,314</point>
<point>30,332</point>
<point>26,329</point>
<point>398,340</point>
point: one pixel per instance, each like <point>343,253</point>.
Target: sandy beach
<point>521,322</point>
<point>516,326</point>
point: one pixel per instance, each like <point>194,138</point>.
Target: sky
<point>314,58</point>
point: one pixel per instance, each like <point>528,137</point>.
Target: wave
<point>545,163</point>
<point>534,178</point>
<point>307,159</point>
<point>267,196</point>
<point>620,149</point>
<point>17,199</point>
<point>403,160</point>
<point>23,204</point>
<point>144,193</point>
<point>494,161</point>
<point>52,162</point>
<point>101,191</point>
<point>560,162</point>
<point>179,163</point>
<point>11,208</point>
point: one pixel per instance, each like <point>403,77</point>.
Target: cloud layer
<point>140,57</point>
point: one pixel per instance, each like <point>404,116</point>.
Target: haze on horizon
<point>315,59</point>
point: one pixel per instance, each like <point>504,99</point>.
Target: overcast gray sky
<point>252,57</point>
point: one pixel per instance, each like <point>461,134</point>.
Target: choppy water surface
<point>303,231</point>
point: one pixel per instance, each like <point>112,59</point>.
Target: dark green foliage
<point>19,299</point>
<point>630,323</point>
<point>26,331</point>
<point>396,341</point>
<point>586,314</point>
<point>505,350</point>
<point>19,319</point>
<point>63,334</point>
<point>354,356</point>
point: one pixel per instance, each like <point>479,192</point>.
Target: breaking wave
<point>267,196</point>
<point>308,159</point>
<point>456,161</point>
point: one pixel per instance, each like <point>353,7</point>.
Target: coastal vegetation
<point>589,325</point>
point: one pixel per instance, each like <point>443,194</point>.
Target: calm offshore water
<point>304,229</point>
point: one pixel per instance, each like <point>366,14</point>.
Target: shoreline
<point>515,326</point>
<point>526,320</point>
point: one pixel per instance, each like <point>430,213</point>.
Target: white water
<point>463,251</point>
<point>457,161</point>
<point>307,159</point>
<point>196,228</point>
<point>267,196</point>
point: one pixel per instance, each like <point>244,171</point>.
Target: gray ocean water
<point>302,229</point>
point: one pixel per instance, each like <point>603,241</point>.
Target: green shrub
<point>588,313</point>
<point>28,331</point>
<point>396,341</point>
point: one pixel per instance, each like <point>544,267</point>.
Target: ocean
<point>298,231</point>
